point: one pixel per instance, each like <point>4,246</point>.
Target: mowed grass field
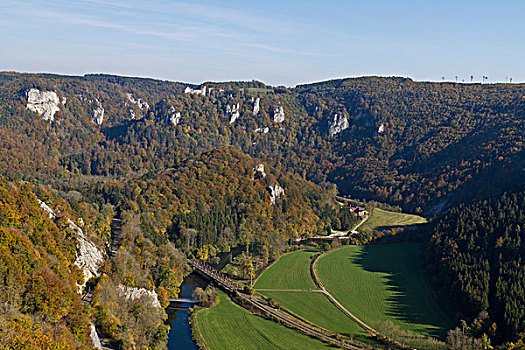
<point>291,271</point>
<point>382,219</point>
<point>380,283</point>
<point>316,308</point>
<point>227,326</point>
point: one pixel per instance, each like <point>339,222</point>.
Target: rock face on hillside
<point>278,114</point>
<point>264,130</point>
<point>98,113</point>
<point>381,129</point>
<point>338,124</point>
<point>45,103</point>
<point>233,112</point>
<point>258,171</point>
<point>276,191</point>
<point>148,296</point>
<point>256,106</point>
<point>172,116</point>
<point>140,103</point>
<point>89,258</point>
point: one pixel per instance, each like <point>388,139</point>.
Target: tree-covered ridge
<point>476,255</point>
<point>219,198</point>
<point>439,143</point>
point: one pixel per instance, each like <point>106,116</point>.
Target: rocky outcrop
<point>276,191</point>
<point>89,258</point>
<point>146,296</point>
<point>201,91</point>
<point>256,106</point>
<point>278,114</point>
<point>264,130</point>
<point>173,117</point>
<point>233,112</point>
<point>381,129</point>
<point>45,103</point>
<point>50,212</point>
<point>98,113</point>
<point>94,336</point>
<point>258,171</point>
<point>338,124</point>
<point>140,103</point>
<point>132,114</point>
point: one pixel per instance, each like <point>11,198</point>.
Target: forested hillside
<point>39,305</point>
<point>423,146</point>
<point>476,257</point>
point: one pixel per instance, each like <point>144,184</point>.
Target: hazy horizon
<point>280,43</point>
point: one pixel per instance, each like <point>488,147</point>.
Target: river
<point>179,337</point>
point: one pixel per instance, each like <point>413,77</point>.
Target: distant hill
<point>423,146</point>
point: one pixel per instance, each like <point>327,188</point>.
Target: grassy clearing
<point>382,219</point>
<point>316,308</point>
<point>227,326</point>
<point>292,271</point>
<point>381,283</point>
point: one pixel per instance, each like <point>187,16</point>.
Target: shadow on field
<point>410,301</point>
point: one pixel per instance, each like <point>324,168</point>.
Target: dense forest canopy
<point>476,255</point>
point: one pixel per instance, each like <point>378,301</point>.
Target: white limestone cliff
<point>139,102</point>
<point>233,112</point>
<point>264,130</point>
<point>256,106</point>
<point>276,191</point>
<point>94,336</point>
<point>89,257</point>
<point>381,129</point>
<point>98,113</point>
<point>45,103</point>
<point>47,208</point>
<point>258,170</point>
<point>173,117</point>
<point>338,124</point>
<point>278,114</point>
<point>132,114</point>
<point>201,91</point>
<point>149,296</point>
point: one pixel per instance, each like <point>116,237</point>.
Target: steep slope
<point>39,276</point>
<point>476,256</point>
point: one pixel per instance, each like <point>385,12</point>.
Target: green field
<point>291,271</point>
<point>227,326</point>
<point>316,308</point>
<point>379,283</point>
<point>381,219</point>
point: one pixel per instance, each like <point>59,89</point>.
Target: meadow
<point>384,283</point>
<point>382,219</point>
<point>317,308</point>
<point>291,271</point>
<point>227,326</point>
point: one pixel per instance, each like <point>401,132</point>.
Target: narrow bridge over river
<point>183,300</point>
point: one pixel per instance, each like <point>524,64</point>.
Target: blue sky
<point>278,42</point>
